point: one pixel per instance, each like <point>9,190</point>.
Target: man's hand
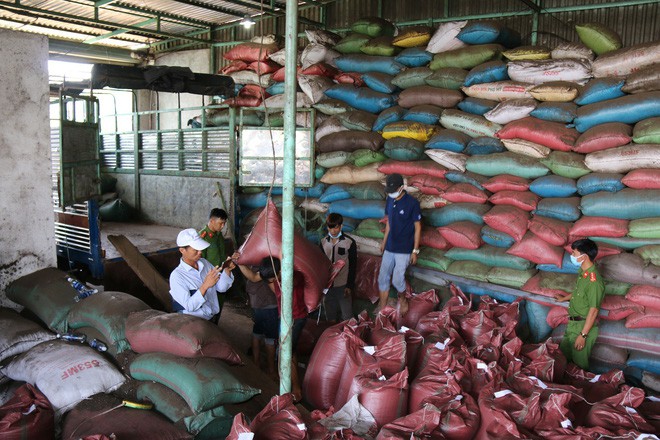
<point>347,292</point>
<point>211,278</point>
<point>413,259</point>
<point>561,298</point>
<point>382,247</point>
<point>579,343</point>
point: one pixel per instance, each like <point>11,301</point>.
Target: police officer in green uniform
<point>582,329</point>
<point>212,234</point>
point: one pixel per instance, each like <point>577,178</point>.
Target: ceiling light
<point>247,22</point>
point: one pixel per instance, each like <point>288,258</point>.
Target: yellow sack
<point>411,130</point>
<point>528,53</point>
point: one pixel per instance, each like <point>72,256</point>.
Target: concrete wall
<point>27,239</point>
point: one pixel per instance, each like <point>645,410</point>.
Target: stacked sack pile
<point>179,364</point>
<point>461,373</point>
<point>513,151</point>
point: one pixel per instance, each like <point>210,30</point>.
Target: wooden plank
<point>151,278</point>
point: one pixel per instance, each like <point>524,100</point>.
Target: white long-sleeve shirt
<point>185,282</point>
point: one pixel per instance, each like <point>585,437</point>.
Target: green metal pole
<point>535,26</point>
<point>288,182</point>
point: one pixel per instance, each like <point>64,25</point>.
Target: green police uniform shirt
<point>215,253</point>
<point>589,292</point>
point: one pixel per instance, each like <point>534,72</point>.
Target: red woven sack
<point>525,200</point>
<point>387,399</point>
<point>508,219</point>
<point>604,136</point>
<point>234,66</point>
<point>465,192</point>
<point>552,231</point>
<point>643,178</point>
<point>432,238</point>
<point>266,239</point>
<point>506,182</point>
<point>321,69</point>
<point>554,135</point>
<point>263,67</point>
<point>349,78</point>
<point>537,250</point>
<point>279,420</point>
<point>647,296</point>
<point>366,277</point>
<point>250,52</point>
<point>28,414</point>
<point>599,227</point>
<point>430,185</point>
<point>419,305</point>
<point>465,234</point>
<point>428,167</point>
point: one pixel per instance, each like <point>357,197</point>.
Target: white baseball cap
<point>190,237</point>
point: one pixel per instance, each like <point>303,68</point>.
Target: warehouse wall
<point>26,221</point>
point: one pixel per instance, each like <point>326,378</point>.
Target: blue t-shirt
<point>401,216</point>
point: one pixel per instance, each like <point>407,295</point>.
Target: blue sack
<point>553,186</point>
<point>476,106</point>
<point>628,204</point>
<point>556,111</point>
<point>361,98</point>
<point>338,191</point>
<point>594,182</point>
<point>456,212</point>
<point>424,114</point>
<point>358,209</point>
<point>368,63</point>
<point>567,266</point>
<point>414,57</point>
<point>484,145</point>
<point>496,238</point>
<point>386,117</point>
<point>448,139</point>
<point>562,208</point>
<point>473,179</point>
<point>276,89</point>
<point>601,89</point>
<point>627,109</point>
<point>380,82</point>
<point>491,71</point>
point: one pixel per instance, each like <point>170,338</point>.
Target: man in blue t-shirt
<point>400,245</point>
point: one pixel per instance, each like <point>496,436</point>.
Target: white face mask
<point>335,236</point>
<point>395,194</point>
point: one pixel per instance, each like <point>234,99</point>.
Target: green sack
<point>467,57</point>
<point>649,253</point>
<point>370,228</point>
<point>490,256</point>
<point>505,276</point>
<point>647,131</point>
<point>431,258</point>
<point>558,281</point>
<point>566,164</point>
<point>380,46</point>
<point>644,228</point>
<point>367,191</point>
<point>447,78</point>
<point>598,37</point>
<point>357,120</point>
<point>404,149</point>
<point>47,294</point>
<point>364,157</point>
<point>106,312</point>
<point>204,383</point>
<point>412,77</point>
<point>373,26</point>
<point>352,43</point>
<point>332,107</point>
<point>333,159</point>
<point>616,288</point>
<point>216,421</point>
<point>506,163</point>
<point>274,119</point>
<point>469,269</point>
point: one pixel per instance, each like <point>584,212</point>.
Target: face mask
<point>394,195</point>
<point>575,261</point>
<point>335,236</point>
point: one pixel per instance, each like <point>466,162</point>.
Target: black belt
<point>576,318</point>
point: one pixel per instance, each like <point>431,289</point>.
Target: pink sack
<point>537,250</point>
<point>465,234</point>
<point>647,296</point>
<point>525,200</point>
<point>28,414</point>
<point>387,399</point>
<point>557,316</point>
<point>508,219</point>
<point>464,192</point>
<point>266,239</point>
<point>553,135</point>
<point>250,52</point>
<point>419,305</point>
<point>599,227</point>
<point>643,178</point>
<point>650,318</point>
<point>552,231</point>
<point>506,182</point>
<point>279,420</point>
<point>430,185</point>
<point>432,238</point>
<point>427,167</point>
<point>603,136</point>
<point>366,277</point>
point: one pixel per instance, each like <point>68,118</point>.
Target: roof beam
<point>210,7</point>
<point>87,21</point>
<point>119,31</point>
<point>533,6</point>
<point>99,3</point>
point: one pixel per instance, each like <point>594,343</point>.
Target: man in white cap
<point>195,283</point>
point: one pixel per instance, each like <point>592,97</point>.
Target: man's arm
<point>418,237</point>
<point>387,232</point>
<point>352,265</point>
<point>249,274</point>
<point>588,324</point>
<point>190,301</point>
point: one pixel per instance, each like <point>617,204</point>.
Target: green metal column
<point>288,182</point>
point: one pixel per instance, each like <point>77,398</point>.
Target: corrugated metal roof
<point>167,25</point>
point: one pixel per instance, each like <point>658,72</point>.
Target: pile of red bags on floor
<point>463,373</point>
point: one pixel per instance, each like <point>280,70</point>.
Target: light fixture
<point>247,22</point>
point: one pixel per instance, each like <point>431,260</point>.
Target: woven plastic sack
<point>555,91</point>
<point>203,383</point>
<point>414,57</point>
<point>600,89</point>
<point>350,141</point>
<point>472,125</point>
<point>627,109</point>
<point>506,182</point>
<point>525,200</point>
<point>308,259</point>
<point>403,149</point>
<point>642,179</point>
<point>627,204</point>
<point>506,163</point>
<point>550,134</point>
<point>250,52</point>
<point>427,167</point>
<point>431,238</point>
<point>433,258</point>
<point>450,78</point>
<point>444,37</point>
<point>450,140</point>
<point>555,111</point>
<point>466,57</point>
<point>380,46</point>
<point>595,182</point>
<point>499,90</point>
<point>542,71</point>
<point>508,219</point>
<point>28,414</point>
<point>18,334</point>
<point>490,71</point>
<point>560,208</point>
<point>358,209</point>
<point>490,256</point>
<point>465,193</point>
<point>537,250</point>
<point>386,399</point>
<point>505,276</point>
<point>178,334</point>
<point>629,268</point>
<point>476,106</point>
<point>598,37</point>
<point>644,80</point>
<point>65,373</point>
<point>361,98</point>
<point>368,63</point>
<point>413,36</point>
<point>511,110</point>
<point>624,159</point>
<point>469,269</point>
<point>550,230</point>
<point>456,212</point>
<point>379,82</point>
<point>412,77</point>
<point>352,43</point>
<point>421,95</point>
<point>107,312</point>
<point>599,227</point>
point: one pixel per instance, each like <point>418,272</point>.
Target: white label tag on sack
<point>482,366</point>
<point>502,393</point>
<point>30,410</point>
<point>325,291</point>
<point>458,398</point>
<point>566,424</point>
<point>630,410</point>
<point>539,382</point>
<point>301,426</point>
<point>440,345</point>
<point>246,436</point>
<point>403,329</point>
<point>370,349</point>
<point>595,379</point>
<point>653,398</point>
<point>647,437</point>
<point>382,378</point>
